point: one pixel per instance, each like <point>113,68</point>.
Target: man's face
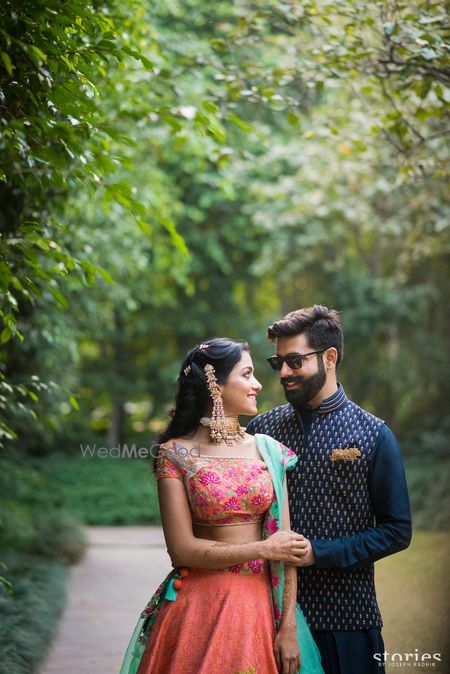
<point>301,385</point>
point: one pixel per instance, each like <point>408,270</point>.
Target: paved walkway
<point>107,591</point>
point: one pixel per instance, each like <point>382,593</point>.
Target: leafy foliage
<point>30,615</point>
<point>175,171</point>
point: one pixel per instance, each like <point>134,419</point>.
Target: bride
<point>229,604</point>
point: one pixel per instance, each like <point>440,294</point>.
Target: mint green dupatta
<point>142,631</point>
<point>278,459</point>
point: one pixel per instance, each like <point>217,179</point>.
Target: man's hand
<point>306,558</point>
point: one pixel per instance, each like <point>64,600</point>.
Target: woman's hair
<point>192,397</point>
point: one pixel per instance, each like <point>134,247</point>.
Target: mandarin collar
<point>334,402</point>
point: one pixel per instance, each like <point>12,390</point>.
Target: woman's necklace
<point>227,429</point>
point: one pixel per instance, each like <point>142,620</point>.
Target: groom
<point>347,494</point>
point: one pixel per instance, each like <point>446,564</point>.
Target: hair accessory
<point>203,345</point>
<point>187,370</point>
<point>222,428</point>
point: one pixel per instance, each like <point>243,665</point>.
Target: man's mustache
<point>291,380</point>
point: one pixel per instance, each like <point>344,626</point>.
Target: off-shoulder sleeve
<point>288,457</point>
<point>165,467</point>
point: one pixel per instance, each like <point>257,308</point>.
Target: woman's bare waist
<point>242,533</point>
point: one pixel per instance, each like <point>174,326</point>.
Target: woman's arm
<point>186,550</point>
<point>290,572</point>
<point>287,653</point>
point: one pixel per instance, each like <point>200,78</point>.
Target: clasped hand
<point>288,546</point>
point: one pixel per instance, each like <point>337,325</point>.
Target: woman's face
<point>240,391</point>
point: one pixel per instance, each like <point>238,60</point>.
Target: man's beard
<point>309,387</point>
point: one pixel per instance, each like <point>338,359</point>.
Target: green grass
<point>38,540</point>
<point>413,588</point>
<point>428,480</point>
<point>30,614</point>
<point>93,490</point>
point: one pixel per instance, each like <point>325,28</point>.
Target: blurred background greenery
<point>173,171</point>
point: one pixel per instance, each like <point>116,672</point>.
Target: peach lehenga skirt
<point>221,623</point>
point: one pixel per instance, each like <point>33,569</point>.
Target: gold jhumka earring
<point>222,428</point>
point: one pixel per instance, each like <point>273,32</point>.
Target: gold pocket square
<point>347,454</point>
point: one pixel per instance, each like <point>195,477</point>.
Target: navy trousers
<point>351,652</point>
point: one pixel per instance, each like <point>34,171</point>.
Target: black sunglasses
<point>294,360</point>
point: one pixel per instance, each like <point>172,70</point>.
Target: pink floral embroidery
<point>272,526</point>
<point>226,490</point>
<point>255,565</point>
<point>236,568</point>
<point>275,580</point>
<point>209,478</point>
<point>277,613</point>
<point>231,504</point>
<point>287,454</point>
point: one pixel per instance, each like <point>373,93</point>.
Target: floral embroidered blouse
<point>221,490</point>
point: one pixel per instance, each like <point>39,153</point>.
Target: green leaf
<point>59,297</point>
<point>240,123</point>
<point>69,64</point>
<point>7,62</point>
<point>145,227</point>
<point>5,335</point>
<point>218,132</point>
<point>210,106</point>
<point>219,44</point>
<point>176,237</point>
<point>74,403</point>
<point>268,92</point>
<point>106,275</point>
<point>40,54</point>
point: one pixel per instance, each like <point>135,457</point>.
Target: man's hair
<point>322,326</point>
